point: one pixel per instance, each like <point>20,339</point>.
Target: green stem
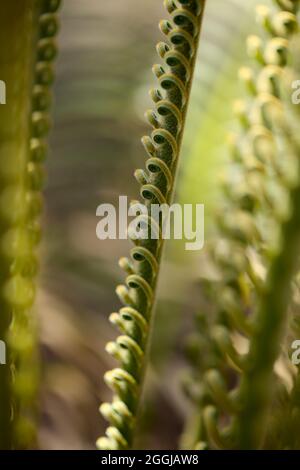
<point>17,30</point>
<point>157,187</point>
<point>272,317</point>
<point>169,201</point>
<point>23,337</point>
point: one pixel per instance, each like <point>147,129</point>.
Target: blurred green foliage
<point>106,49</point>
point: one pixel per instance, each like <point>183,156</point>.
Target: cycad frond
<point>258,230</point>
<point>24,122</point>
<point>157,185</point>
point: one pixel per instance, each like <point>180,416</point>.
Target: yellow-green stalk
<point>22,123</point>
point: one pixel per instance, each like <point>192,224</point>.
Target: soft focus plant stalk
<point>24,333</point>
<point>272,320</point>
<point>27,49</point>
<point>17,32</point>
<point>254,256</point>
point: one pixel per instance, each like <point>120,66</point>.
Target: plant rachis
<point>157,185</point>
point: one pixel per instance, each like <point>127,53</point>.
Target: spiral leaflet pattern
<point>157,183</point>
<point>245,254</point>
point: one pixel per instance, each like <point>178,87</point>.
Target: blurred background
<point>103,76</point>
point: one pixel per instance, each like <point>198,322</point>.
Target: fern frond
<point>23,338</point>
<point>17,33</point>
<point>286,426</point>
<point>23,25</point>
<point>259,227</point>
<point>271,320</point>
<point>157,185</point>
